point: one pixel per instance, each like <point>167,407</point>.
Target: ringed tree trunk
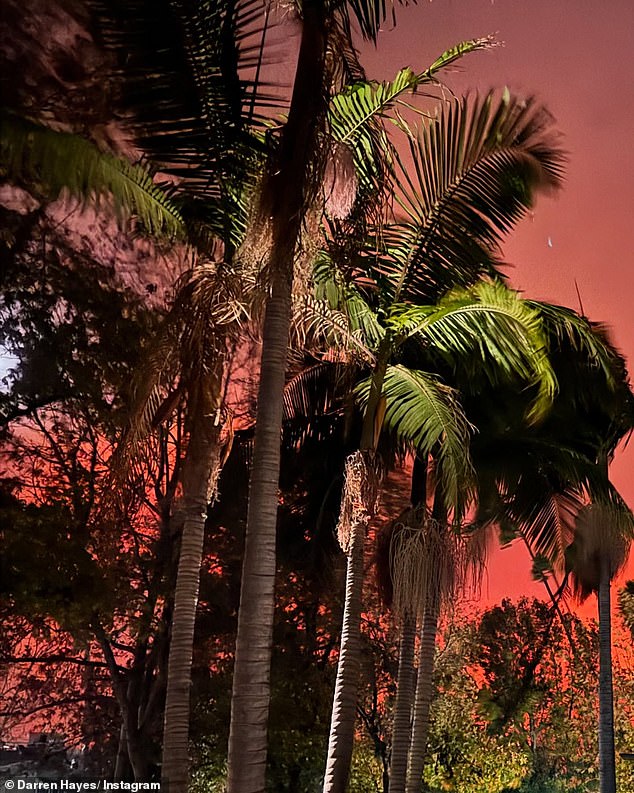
<point>200,477</point>
<point>360,492</point>
<point>405,683</point>
<point>287,191</point>
<point>402,721</point>
<point>358,502</point>
<point>426,565</point>
<point>607,769</point>
<point>424,692</point>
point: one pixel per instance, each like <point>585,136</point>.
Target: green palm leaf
<point>488,327</point>
<point>426,415</point>
<point>355,114</point>
<point>580,336</point>
<point>331,286</point>
<point>476,169</point>
<point>53,162</point>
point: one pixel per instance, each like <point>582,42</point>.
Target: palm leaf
<point>53,162</point>
<point>370,15</point>
<point>352,110</point>
<point>357,113</point>
<point>579,335</point>
<point>180,69</point>
<point>426,415</point>
<point>603,534</point>
<point>331,286</point>
<point>488,327</point>
<point>209,310</point>
<point>318,328</point>
<point>476,169</point>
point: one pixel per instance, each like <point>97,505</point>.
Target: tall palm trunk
<point>200,476</point>
<point>401,728</point>
<point>341,739</point>
<point>286,194</point>
<point>405,690</point>
<point>607,771</point>
<point>357,504</point>
<point>424,691</point>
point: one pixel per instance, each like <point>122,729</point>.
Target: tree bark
<point>424,691</point>
<point>122,767</point>
<point>607,768</point>
<point>287,191</point>
<point>200,476</point>
<point>402,722</point>
<point>341,738</point>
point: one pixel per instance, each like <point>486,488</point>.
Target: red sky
<point>577,57</point>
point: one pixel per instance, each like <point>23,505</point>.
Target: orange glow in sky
<point>577,57</point>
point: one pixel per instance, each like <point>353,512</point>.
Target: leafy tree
<point>102,577</point>
<point>488,665</point>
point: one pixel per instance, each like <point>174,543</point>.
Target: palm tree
<point>187,364</point>
<point>291,187</point>
<point>491,156</point>
<point>600,549</point>
<point>543,482</point>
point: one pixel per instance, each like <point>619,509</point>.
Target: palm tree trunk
<point>424,691</point>
<point>607,770</point>
<point>402,722</point>
<point>341,738</point>
<point>357,505</point>
<point>200,476</point>
<point>287,192</point>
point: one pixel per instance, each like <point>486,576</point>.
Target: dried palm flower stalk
<point>362,478</point>
<point>427,560</point>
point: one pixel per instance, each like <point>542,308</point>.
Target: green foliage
<point>52,162</point>
<point>355,113</point>
<point>626,605</point>
<point>516,708</point>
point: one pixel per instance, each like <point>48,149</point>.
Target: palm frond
<point>180,70</point>
<point>455,53</point>
<point>315,390</point>
<point>488,327</point>
<point>210,307</point>
<point>536,484</point>
<point>477,167</point>
<point>314,401</point>
<point>370,15</point>
<point>426,415</point>
<point>579,334</point>
<point>331,286</point>
<point>594,379</point>
<point>603,534</point>
<point>53,162</point>
<point>317,327</point>
<point>356,116</point>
